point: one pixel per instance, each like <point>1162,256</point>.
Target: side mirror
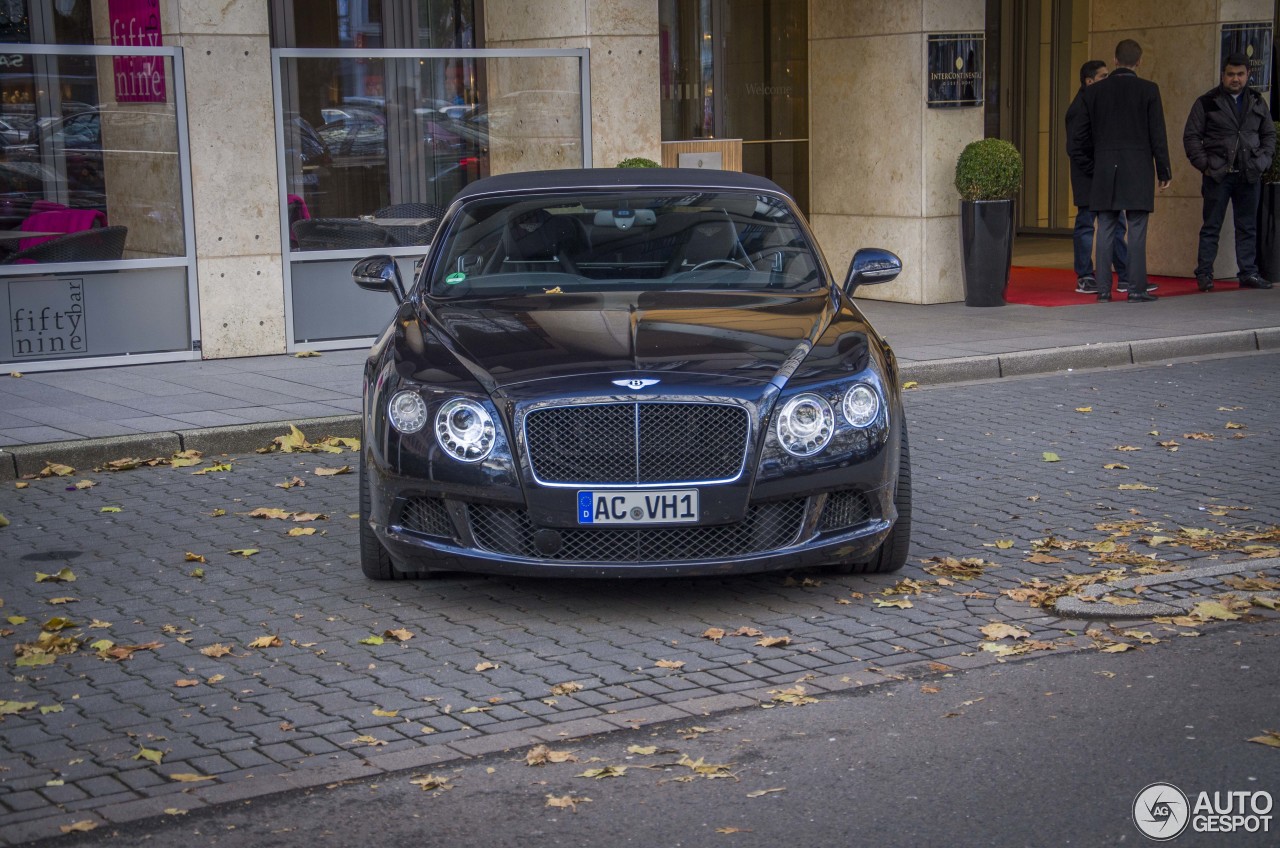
<point>870,266</point>
<point>379,273</point>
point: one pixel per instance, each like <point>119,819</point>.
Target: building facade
<point>221,162</point>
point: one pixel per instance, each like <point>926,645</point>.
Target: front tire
<point>892,553</point>
<point>375,561</point>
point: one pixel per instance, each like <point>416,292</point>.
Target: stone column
<point>227,48</point>
<point>1180,43</point>
<point>883,163</point>
<point>626,118</point>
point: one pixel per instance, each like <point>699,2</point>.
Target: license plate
<point>673,506</point>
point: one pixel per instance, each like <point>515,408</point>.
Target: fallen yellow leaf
<point>570,802</point>
<point>540,755</point>
<point>149,754</point>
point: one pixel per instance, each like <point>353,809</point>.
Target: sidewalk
<point>225,405</point>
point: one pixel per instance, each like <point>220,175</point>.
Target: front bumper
<point>424,531</point>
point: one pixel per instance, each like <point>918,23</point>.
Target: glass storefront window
<point>739,69</point>
<point>389,139</point>
<point>386,109</point>
<point>80,148</point>
<point>96,249</point>
<point>375,144</point>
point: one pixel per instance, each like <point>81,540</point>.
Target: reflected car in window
<point>637,372</point>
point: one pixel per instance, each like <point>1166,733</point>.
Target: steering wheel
<point>775,250</point>
<point>709,262</point>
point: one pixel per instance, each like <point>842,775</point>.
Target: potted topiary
<point>638,162</point>
<point>988,175</point>
<point>1269,220</point>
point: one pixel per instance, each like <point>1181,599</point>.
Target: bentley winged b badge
<point>635,383</point>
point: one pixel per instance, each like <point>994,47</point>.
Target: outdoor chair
<point>419,234</point>
<point>410,210</point>
<point>58,220</point>
<point>101,244</point>
<point>340,234</point>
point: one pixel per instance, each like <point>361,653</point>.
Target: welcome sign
<point>136,23</point>
<point>955,69</point>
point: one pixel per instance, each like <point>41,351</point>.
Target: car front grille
<point>648,442</point>
<point>428,516</point>
<point>766,527</point>
<point>847,508</point>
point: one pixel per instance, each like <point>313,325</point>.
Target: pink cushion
<point>60,221</point>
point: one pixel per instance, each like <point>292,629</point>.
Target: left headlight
<point>805,424</point>
<point>861,405</point>
<point>465,430</point>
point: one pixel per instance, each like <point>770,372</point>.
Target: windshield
<point>612,241</point>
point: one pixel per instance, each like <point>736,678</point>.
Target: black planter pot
<point>1269,232</point>
<point>986,242</point>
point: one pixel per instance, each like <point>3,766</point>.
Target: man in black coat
<point>1092,71</point>
<point>1120,142</point>
<point>1231,140</point>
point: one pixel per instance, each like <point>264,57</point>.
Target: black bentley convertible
<point>626,373</point>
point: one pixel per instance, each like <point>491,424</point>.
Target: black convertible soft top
<point>613,178</point>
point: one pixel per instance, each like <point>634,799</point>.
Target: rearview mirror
<point>379,273</point>
<point>870,266</point>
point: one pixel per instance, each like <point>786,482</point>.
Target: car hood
<point>746,336</point>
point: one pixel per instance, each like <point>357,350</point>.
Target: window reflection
<point>69,162</point>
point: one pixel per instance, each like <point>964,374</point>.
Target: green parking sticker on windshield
<point>455,278</point>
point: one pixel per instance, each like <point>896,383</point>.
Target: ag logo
<point>1161,811</point>
<point>635,384</point>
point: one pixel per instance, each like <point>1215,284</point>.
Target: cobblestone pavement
<point>495,663</point>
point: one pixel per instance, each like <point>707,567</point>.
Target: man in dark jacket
<point>1092,71</point>
<point>1231,140</point>
<point>1120,136</point>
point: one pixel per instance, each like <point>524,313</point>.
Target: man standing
<point>1082,238</point>
<point>1119,136</point>
<point>1230,139</point>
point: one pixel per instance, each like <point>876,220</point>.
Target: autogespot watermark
<point>1162,812</point>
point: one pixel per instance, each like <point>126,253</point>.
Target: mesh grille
<point>766,527</point>
<point>677,442</point>
<point>845,509</point>
<point>426,515</point>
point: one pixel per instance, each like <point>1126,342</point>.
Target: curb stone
<point>17,460</point>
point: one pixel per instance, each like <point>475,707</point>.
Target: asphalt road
<point>1050,751</point>
<point>1043,481</point>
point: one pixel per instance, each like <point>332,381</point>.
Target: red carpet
<point>1057,287</point>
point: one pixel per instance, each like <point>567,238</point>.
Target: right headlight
<point>805,424</point>
<point>465,430</point>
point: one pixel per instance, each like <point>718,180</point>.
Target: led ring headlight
<point>465,430</point>
<point>861,405</point>
<point>407,411</point>
<point>805,425</point>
